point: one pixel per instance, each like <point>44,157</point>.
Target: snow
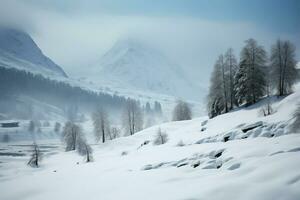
<point>263,165</point>
<point>133,64</point>
<point>17,49</point>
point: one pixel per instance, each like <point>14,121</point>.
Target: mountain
<point>133,64</point>
<point>18,50</point>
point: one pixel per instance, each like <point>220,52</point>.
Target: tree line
<point>15,82</point>
<point>234,83</point>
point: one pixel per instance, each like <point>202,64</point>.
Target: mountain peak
<point>135,64</point>
<point>19,45</point>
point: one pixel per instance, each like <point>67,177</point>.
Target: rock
<point>226,138</point>
<point>147,167</point>
<point>252,126</point>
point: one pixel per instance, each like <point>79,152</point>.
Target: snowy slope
<point>262,163</point>
<point>18,50</point>
<point>133,64</point>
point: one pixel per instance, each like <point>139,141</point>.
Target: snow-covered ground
<point>203,159</point>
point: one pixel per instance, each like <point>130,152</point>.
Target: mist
<point>76,37</point>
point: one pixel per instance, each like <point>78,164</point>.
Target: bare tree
<point>72,135</point>
<point>101,124</point>
<point>267,107</point>
<point>283,65</point>
<point>182,111</point>
<point>115,132</point>
<point>160,138</point>
<point>35,157</point>
<point>86,150</point>
<point>132,117</point>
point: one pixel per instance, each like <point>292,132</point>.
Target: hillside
<point>220,158</point>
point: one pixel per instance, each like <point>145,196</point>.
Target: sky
<point>76,33</point>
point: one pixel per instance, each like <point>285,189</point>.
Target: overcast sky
<point>75,33</point>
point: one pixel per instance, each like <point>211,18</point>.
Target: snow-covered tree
<point>231,69</point>
<point>296,123</point>
<point>35,156</point>
<point>160,138</point>
<point>283,63</point>
<point>101,124</point>
<point>250,77</point>
<point>132,117</point>
<point>182,111</point>
<point>217,97</point>
<point>72,135</point>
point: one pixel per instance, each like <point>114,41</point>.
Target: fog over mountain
<point>17,49</point>
<point>133,64</point>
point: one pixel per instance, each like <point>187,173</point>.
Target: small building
<point>9,124</point>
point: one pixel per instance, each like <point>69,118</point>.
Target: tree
<point>132,117</point>
<point>217,96</point>
<point>296,123</point>
<point>148,108</point>
<point>86,150</point>
<point>283,65</point>
<point>157,108</point>
<point>31,127</point>
<point>250,77</point>
<point>101,124</point>
<point>182,111</point>
<point>72,136</point>
<point>267,107</point>
<point>231,69</point>
<point>35,156</point>
<point>115,132</point>
<point>57,127</point>
<point>160,138</point>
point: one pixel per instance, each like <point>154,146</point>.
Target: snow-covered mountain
<point>18,50</point>
<point>133,64</point>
